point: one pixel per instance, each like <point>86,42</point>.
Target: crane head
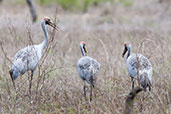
<point>49,22</point>
<point>83,44</point>
<point>126,44</point>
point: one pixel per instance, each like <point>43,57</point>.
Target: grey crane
<point>87,68</point>
<point>138,64</point>
<point>28,58</point>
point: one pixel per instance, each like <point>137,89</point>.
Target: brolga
<point>87,68</point>
<point>138,65</point>
<point>28,58</point>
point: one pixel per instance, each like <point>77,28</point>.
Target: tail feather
<point>145,82</point>
<point>93,78</point>
<point>11,75</point>
<point>11,72</point>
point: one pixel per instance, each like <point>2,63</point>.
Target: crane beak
<point>125,50</point>
<point>84,49</point>
<point>54,26</point>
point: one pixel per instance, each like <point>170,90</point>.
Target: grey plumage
<point>28,58</point>
<point>139,62</point>
<point>87,68</point>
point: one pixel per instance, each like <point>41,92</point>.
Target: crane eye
<point>46,22</point>
<point>125,45</point>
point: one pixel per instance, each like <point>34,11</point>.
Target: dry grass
<point>104,29</point>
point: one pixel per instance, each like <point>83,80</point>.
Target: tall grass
<point>57,87</point>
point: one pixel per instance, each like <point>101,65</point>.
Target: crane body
<point>87,68</point>
<point>29,57</point>
<point>138,64</point>
<point>26,59</point>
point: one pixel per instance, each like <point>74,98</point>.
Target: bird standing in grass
<point>138,64</point>
<point>87,69</point>
<point>28,58</point>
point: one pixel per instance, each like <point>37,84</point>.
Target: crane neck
<point>129,52</point>
<point>44,43</point>
<point>82,51</point>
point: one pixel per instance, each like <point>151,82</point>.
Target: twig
<point>104,47</point>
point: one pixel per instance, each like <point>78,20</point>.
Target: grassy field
<point>57,87</point>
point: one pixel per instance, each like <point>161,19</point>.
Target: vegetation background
<point>104,25</point>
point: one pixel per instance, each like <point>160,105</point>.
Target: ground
<point>57,88</point>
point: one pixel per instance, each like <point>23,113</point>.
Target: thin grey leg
<point>84,88</point>
<point>30,85</point>
<point>132,79</point>
<point>91,92</point>
<point>149,88</point>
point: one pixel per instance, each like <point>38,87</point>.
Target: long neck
<point>82,51</point>
<point>44,43</point>
<point>129,52</point>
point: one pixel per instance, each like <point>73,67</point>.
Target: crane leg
<point>132,80</point>
<point>91,92</point>
<point>149,88</point>
<point>84,88</point>
<point>30,84</point>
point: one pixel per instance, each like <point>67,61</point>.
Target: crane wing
<point>26,59</point>
<point>144,63</point>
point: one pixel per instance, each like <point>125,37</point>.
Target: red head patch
<point>44,19</point>
<point>82,42</point>
<point>126,43</point>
